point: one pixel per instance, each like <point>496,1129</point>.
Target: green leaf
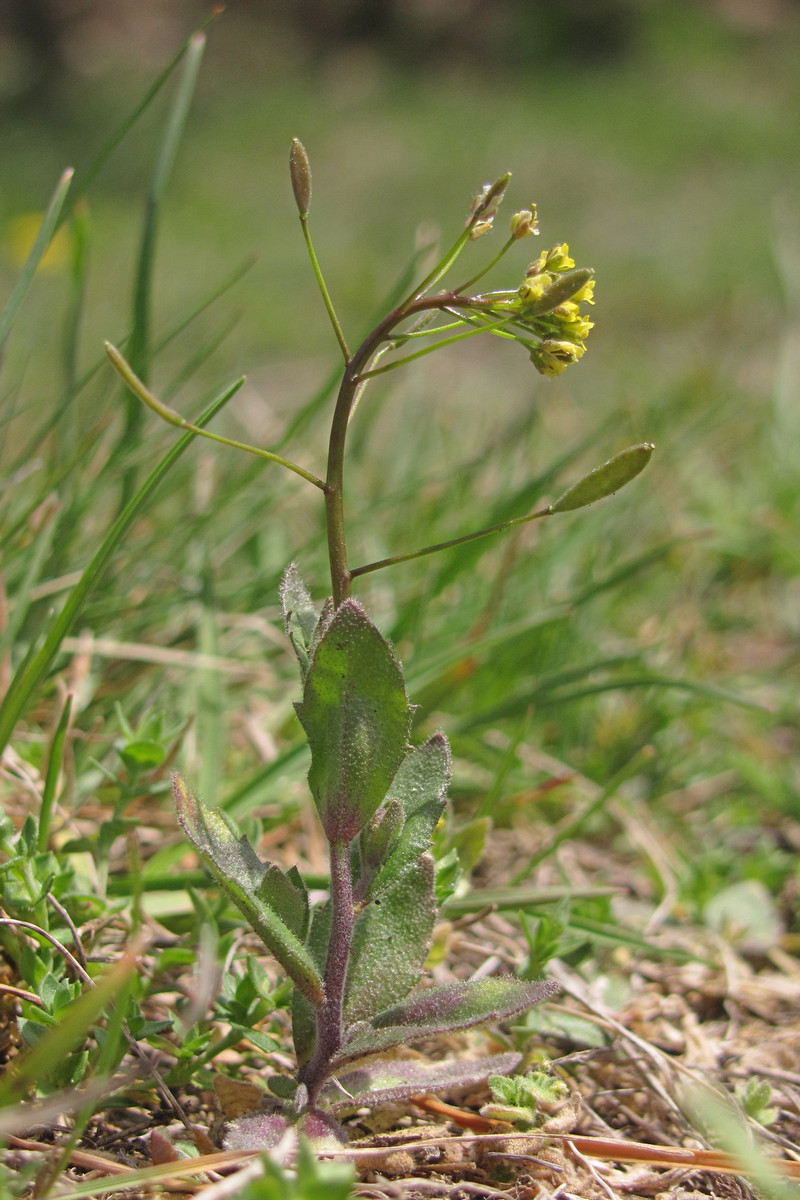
<point>390,945</point>
<point>443,1010</point>
<point>604,480</point>
<point>380,837</point>
<point>241,873</point>
<point>304,1018</point>
<point>286,894</point>
<point>142,755</point>
<point>299,615</point>
<point>357,718</point>
<point>420,785</point>
<point>396,1079</point>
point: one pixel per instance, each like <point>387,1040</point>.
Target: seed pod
<point>300,170</point>
<point>604,480</point>
<point>562,288</point>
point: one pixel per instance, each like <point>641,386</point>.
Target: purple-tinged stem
<point>329,1016</point>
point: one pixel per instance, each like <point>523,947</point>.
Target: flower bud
<point>524,223</point>
<point>300,171</point>
<point>554,355</point>
<point>487,202</point>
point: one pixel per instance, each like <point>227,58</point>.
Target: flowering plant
<point>355,959</point>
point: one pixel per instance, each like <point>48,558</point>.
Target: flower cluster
<point>543,314</point>
<point>550,297</point>
<point>547,304</point>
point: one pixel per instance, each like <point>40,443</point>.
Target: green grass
<point>665,617</point>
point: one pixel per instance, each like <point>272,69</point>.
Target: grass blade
<point>43,237</point>
<point>27,680</point>
<point>138,347</point>
<point>139,344</point>
<point>51,778</point>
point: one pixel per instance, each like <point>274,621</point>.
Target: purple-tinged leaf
<point>241,873</point>
<point>458,1005</point>
<point>256,1131</point>
<point>357,718</point>
<point>323,1132</point>
<point>397,1079</point>
<point>443,1010</point>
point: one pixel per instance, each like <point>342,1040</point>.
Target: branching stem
<point>354,379</point>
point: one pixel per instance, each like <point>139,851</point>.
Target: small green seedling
<point>355,960</point>
<point>525,1101</point>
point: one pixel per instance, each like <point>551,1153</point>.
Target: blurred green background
<point>661,139</point>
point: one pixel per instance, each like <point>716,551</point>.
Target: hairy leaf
<point>397,1079</point>
<point>357,717</point>
<point>420,785</point>
<point>390,945</point>
<point>241,873</point>
<point>299,615</point>
<point>443,1010</point>
<point>380,836</point>
<point>286,894</point>
<point>255,1131</point>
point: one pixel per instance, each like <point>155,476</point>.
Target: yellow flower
<point>558,258</point>
<point>585,293</point>
<point>553,355</point>
<point>533,288</point>
<point>573,323</point>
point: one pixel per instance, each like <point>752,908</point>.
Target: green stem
<point>467,537</point>
<point>493,262</point>
<point>496,327</point>
<point>353,382</point>
<point>441,268</point>
<point>334,320</point>
<point>172,417</point>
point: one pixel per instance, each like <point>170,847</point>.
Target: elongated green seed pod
<point>562,288</point>
<point>300,170</point>
<point>604,480</point>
